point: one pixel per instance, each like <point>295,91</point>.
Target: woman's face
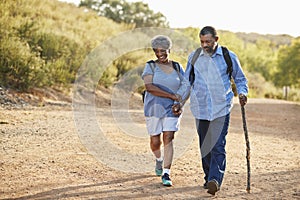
<point>162,54</point>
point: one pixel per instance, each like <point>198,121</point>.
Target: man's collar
<point>218,50</point>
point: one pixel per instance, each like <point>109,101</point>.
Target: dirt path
<point>43,156</point>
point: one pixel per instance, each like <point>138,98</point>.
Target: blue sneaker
<point>158,168</point>
<point>166,181</point>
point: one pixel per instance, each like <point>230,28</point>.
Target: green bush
<point>19,66</point>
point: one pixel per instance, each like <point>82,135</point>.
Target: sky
<point>257,16</point>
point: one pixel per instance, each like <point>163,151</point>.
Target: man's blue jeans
<point>212,140</point>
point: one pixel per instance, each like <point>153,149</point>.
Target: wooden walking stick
<point>247,148</point>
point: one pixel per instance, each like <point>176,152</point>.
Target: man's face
<point>208,43</point>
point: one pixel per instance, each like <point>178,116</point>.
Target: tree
<point>289,65</point>
<point>137,13</point>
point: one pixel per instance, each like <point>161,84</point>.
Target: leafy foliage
<point>45,43</point>
<point>45,46</point>
<point>137,13</point>
<point>288,73</point>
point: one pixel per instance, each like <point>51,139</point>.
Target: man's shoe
<point>166,180</point>
<point>158,168</point>
<point>205,185</point>
<point>213,187</point>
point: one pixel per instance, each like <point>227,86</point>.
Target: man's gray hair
<point>161,41</point>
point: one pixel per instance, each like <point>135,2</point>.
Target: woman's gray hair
<point>161,41</point>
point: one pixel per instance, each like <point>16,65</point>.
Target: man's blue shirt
<point>211,94</point>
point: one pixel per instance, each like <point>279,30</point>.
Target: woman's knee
<point>155,141</point>
<point>168,137</point>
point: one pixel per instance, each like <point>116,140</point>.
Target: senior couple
<point>211,99</point>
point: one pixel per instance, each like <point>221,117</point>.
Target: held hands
<point>176,97</point>
<point>176,109</point>
<point>243,99</point>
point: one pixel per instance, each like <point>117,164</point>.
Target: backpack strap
<point>227,60</point>
<point>152,64</point>
<point>176,66</point>
<point>195,57</point>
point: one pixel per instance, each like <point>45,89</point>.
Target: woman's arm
<point>156,91</point>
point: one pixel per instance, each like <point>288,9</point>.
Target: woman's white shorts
<point>156,126</point>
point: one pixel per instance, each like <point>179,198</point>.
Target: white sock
<point>165,170</point>
<point>160,159</point>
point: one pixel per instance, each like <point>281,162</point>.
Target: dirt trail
<point>43,157</point>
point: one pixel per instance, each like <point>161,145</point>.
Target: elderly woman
<point>162,79</point>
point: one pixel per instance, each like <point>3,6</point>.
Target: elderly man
<point>211,101</point>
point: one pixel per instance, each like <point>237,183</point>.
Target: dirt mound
<point>34,97</point>
<point>40,97</point>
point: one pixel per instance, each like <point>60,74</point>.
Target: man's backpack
<point>225,55</point>
<point>176,66</point>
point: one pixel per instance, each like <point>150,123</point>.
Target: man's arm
<point>184,90</point>
<point>240,80</point>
